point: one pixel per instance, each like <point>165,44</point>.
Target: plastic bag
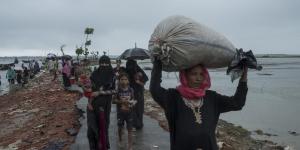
<point>240,60</point>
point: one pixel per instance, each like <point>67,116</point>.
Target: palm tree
<point>95,54</point>
<point>88,42</point>
<point>78,51</point>
<point>89,31</point>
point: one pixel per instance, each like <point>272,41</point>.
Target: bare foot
<point>130,148</point>
<point>120,145</point>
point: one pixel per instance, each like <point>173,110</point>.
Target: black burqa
<point>133,70</point>
<point>102,78</point>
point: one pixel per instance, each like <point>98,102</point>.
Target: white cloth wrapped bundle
<point>181,43</point>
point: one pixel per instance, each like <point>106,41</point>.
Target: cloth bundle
<point>180,43</point>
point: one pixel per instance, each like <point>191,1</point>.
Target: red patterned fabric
<point>193,93</point>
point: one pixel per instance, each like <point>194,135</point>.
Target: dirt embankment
<point>41,115</point>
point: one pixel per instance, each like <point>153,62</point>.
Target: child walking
<point>125,101</point>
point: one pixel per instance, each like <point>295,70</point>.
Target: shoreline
<point>42,114</point>
<point>10,89</point>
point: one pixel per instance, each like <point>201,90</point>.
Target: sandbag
<point>180,43</point>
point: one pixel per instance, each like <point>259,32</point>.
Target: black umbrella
<point>51,55</point>
<point>135,53</point>
<point>66,57</point>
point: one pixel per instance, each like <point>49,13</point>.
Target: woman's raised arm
<point>158,93</point>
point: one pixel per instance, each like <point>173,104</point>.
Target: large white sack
<point>181,43</point>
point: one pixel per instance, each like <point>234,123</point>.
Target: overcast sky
<point>37,27</point>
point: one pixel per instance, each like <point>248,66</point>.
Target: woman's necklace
<point>195,106</point>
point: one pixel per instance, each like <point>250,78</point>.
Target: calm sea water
<point>273,99</point>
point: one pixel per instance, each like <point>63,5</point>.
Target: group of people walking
<point>192,111</point>
<point>21,76</point>
<point>65,67</point>
<point>121,86</point>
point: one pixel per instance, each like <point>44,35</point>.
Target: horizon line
<point>118,55</point>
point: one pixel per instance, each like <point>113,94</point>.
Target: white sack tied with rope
<point>180,43</point>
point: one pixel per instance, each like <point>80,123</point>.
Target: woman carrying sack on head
<point>191,109</point>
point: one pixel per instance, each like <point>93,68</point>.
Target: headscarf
<point>131,65</point>
<point>132,68</point>
<point>193,93</point>
<point>104,75</point>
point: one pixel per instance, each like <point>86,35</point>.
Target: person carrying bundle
<point>191,109</point>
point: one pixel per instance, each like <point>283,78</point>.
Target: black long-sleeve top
<point>185,133</point>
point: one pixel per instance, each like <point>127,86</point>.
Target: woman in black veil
<point>99,107</point>
<point>137,79</point>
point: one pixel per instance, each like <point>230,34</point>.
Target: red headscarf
<point>193,93</point>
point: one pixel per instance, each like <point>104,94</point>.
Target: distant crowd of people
<point>103,86</point>
<point>21,76</point>
<point>69,69</point>
<point>123,86</point>
<point>189,106</point>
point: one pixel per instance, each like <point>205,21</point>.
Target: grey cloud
<point>265,26</point>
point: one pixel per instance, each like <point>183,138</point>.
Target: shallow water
<point>4,88</point>
<point>272,105</point>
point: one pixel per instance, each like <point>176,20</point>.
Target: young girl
<point>125,103</point>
